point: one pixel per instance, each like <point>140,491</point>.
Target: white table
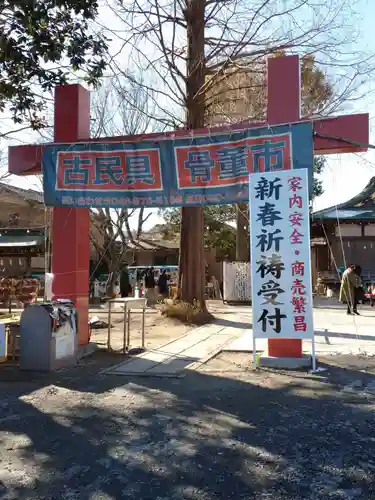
<point>128,303</point>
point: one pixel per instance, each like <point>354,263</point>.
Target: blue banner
<point>187,171</point>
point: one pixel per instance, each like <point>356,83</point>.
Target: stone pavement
<point>187,352</point>
<point>335,333</point>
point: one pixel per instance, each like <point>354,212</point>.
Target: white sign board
<point>280,255</point>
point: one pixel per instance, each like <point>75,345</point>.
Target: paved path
<point>187,352</point>
<point>335,333</point>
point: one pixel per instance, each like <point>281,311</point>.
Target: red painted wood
<point>283,90</point>
<point>285,348</point>
<point>26,160</point>
<point>353,127</point>
<point>71,226</point>
<point>284,106</point>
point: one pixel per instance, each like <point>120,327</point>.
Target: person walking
<point>349,282</point>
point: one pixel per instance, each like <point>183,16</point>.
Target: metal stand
<point>143,328</point>
<point>128,328</point>
<point>129,304</point>
<point>254,354</point>
<point>313,353</point>
<point>109,327</point>
<point>125,344</point>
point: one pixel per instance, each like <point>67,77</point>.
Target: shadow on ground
<point>343,335</point>
<point>79,435</point>
<point>235,324</point>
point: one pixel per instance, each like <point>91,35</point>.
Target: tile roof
<point>27,194</point>
<point>360,207</point>
<point>148,244</point>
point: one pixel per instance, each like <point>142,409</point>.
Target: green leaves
<point>39,43</point>
<point>319,164</point>
<point>218,232</point>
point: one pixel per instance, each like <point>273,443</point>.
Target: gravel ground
<point>158,329</point>
<point>221,433</point>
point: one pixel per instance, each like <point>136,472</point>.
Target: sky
<point>345,175</point>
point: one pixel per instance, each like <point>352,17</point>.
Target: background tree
<point>109,238</point>
<point>319,164</point>
<point>242,94</point>
<point>186,47</point>
<point>42,44</point>
<point>4,174</point>
<point>219,230</point>
<point>119,107</point>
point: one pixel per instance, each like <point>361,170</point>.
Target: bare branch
<point>239,36</point>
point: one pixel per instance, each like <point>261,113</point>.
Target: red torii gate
<point>71,226</point>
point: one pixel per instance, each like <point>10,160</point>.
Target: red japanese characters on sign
<point>296,238</point>
<point>109,171</point>
<point>225,164</point>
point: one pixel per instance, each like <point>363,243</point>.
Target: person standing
<point>150,287</point>
<point>163,284</point>
<point>349,283</point>
<point>124,282</point>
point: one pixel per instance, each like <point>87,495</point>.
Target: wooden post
<point>283,106</point>
<point>71,226</point>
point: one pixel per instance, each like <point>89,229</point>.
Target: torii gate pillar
<point>71,226</point>
<point>284,106</point>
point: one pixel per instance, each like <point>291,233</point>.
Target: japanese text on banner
<point>280,255</point>
<point>297,238</point>
<point>185,170</point>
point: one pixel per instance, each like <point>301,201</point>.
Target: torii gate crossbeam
<point>71,226</point>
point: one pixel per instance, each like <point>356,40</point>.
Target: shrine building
<point>341,235</point>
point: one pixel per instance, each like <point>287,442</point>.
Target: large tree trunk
<point>192,275</point>
<point>242,239</point>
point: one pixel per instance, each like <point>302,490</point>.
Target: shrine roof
<point>27,194</point>
<point>25,241</point>
<point>360,207</point>
<point>148,245</point>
